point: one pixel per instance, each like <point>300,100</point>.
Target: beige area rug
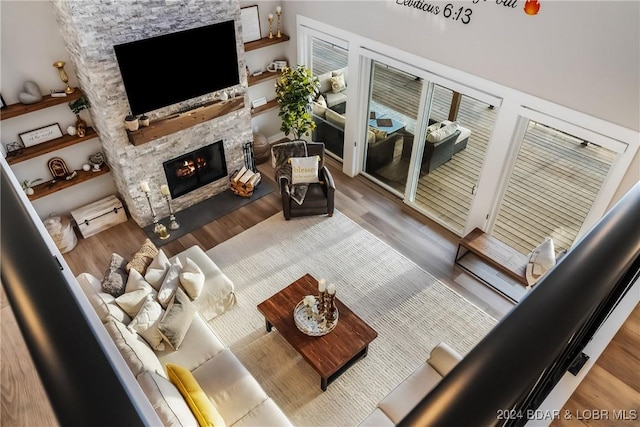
<point>409,308</point>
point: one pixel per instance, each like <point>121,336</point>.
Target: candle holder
<point>270,19</point>
<point>331,311</point>
<point>158,228</point>
<point>173,224</point>
<point>279,25</point>
<point>322,301</point>
<point>63,76</point>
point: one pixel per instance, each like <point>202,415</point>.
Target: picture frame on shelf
<point>40,135</point>
<point>259,102</point>
<point>250,24</point>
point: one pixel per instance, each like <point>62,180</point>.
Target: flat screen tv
<point>172,68</point>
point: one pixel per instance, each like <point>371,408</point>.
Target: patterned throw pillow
<point>143,257</point>
<point>337,83</point>
<point>146,323</point>
<point>304,170</point>
<point>115,278</point>
<point>443,132</point>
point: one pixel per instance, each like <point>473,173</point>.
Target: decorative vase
<point>71,130</point>
<point>81,126</point>
<point>132,123</point>
<point>29,191</point>
<point>144,120</point>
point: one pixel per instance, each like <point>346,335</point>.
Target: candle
<point>271,17</point>
<point>164,189</point>
<point>278,10</point>
<point>144,186</point>
<point>331,289</point>
<point>322,285</point>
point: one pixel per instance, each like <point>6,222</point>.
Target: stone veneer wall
<point>90,29</point>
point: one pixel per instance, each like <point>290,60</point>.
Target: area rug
<point>410,309</point>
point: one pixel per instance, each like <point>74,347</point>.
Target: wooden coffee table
<point>330,355</point>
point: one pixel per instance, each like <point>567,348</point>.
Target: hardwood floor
<point>416,237</point>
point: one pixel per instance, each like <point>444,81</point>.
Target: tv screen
<point>172,68</point>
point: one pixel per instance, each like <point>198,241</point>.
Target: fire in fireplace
<point>195,169</point>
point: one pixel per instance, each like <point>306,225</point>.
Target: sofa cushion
<point>201,407</point>
<point>157,270</point>
<point>199,345</point>
<point>335,118</point>
<point>325,82</point>
<point>443,132</point>
<point>115,278</point>
<point>135,293</point>
<point>167,401</point>
<point>334,99</point>
<point>229,385</point>
<point>218,292</point>
<point>191,278</point>
<point>541,260</point>
<point>104,304</point>
<point>267,414</point>
<point>397,404</point>
<point>135,351</point>
<point>143,257</point>
<point>443,358</point>
<point>175,323</point>
<point>170,283</point>
<point>146,323</point>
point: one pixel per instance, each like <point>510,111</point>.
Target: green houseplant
<point>296,88</point>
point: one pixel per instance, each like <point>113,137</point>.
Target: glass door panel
<point>394,103</point>
<point>450,166</point>
<point>552,187</point>
<point>329,64</point>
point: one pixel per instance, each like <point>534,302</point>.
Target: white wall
<point>30,43</point>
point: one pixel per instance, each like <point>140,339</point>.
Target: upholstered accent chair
<point>305,198</point>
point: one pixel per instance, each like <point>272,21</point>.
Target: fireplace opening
<point>195,169</point>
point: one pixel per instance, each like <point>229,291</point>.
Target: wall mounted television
<point>175,67</point>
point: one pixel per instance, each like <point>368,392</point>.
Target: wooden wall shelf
<point>15,110</point>
<point>168,125</point>
<point>264,42</point>
<point>268,106</point>
<point>50,187</point>
<point>50,146</point>
<point>254,80</point>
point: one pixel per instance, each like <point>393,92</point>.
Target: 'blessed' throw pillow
<point>304,170</point>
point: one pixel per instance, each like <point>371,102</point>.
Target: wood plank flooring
<point>418,238</point>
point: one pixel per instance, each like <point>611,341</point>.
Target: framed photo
<point>250,24</point>
<point>2,103</point>
<point>259,102</point>
<point>40,135</point>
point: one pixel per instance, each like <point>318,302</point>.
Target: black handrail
<point>80,381</point>
<point>516,365</point>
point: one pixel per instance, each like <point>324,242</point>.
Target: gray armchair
<point>319,197</point>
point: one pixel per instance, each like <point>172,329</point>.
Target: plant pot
<point>144,120</point>
<point>132,123</point>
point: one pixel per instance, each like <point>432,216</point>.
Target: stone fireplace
<point>90,29</point>
<point>195,169</point>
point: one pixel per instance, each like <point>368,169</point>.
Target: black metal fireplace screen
<point>195,169</point>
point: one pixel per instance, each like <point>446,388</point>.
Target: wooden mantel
<point>165,126</point>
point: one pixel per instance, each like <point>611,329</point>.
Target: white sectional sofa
<point>236,396</point>
<point>397,404</point>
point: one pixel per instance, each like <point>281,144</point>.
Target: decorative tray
<point>311,323</point>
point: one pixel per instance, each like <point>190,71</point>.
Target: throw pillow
<point>166,400</point>
<point>337,83</point>
<point>146,323</point>
<point>335,118</point>
<point>192,278</point>
<point>115,278</point>
<point>304,170</point>
<point>176,321</point>
<point>170,283</point>
<point>542,259</point>
<point>433,127</point>
<point>135,351</point>
<point>380,134</point>
<point>443,132</point>
<point>318,109</point>
<point>143,257</point>
<point>135,293</point>
<point>196,398</point>
<point>371,137</point>
<point>157,270</point>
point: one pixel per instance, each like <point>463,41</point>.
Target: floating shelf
<point>268,106</point>
<point>50,146</point>
<point>51,187</point>
<point>266,75</point>
<point>15,110</point>
<point>264,42</point>
<point>177,122</point>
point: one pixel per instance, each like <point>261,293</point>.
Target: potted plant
<point>76,107</point>
<point>296,89</point>
<point>27,185</point>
